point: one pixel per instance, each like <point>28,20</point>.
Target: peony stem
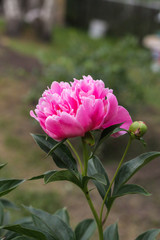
<point>76,154</point>
<point>90,203</point>
<point>122,159</point>
<point>85,156</point>
<point>86,192</point>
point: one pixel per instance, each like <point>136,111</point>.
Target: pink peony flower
<point>69,110</point>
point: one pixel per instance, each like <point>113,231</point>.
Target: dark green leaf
<point>111,232</point>
<point>95,167</point>
<point>1,214</point>
<point>96,177</point>
<point>22,238</point>
<point>54,147</point>
<point>61,155</point>
<point>129,168</point>
<point>8,204</point>
<point>63,214</point>
<point>40,224</point>
<point>127,189</point>
<point>30,231</point>
<point>11,235</point>
<point>8,185</point>
<point>59,228</point>
<point>4,219</point>
<point>106,133</point>
<point>149,235</point>
<point>131,189</point>
<point>2,165</point>
<point>67,175</point>
<point>26,220</point>
<point>85,229</point>
<point>37,177</point>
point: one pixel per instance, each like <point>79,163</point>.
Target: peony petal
<point>83,118</point>
<point>55,87</point>
<point>121,117</point>
<point>90,114</point>
<point>65,126</point>
<point>111,108</point>
<point>32,114</point>
<point>98,113</point>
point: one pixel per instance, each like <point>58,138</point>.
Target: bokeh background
<point>117,41</point>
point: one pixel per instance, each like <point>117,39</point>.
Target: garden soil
<point>18,75</point>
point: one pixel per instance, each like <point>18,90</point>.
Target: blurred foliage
<point>2,24</point>
<point>49,201</point>
<point>122,64</point>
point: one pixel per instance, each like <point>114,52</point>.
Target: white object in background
<point>157,18</point>
<point>153,43</point>
<point>97,28</point>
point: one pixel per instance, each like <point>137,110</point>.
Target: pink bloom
<point>69,110</point>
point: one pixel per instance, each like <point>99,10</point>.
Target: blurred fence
<point>122,16</point>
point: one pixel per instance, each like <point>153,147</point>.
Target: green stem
<point>120,163</point>
<point>90,203</point>
<point>85,156</point>
<point>86,192</point>
<point>76,154</point>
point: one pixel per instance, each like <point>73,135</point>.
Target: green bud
<point>89,138</point>
<point>137,129</point>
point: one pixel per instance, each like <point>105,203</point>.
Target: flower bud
<point>137,129</point>
<point>89,138</point>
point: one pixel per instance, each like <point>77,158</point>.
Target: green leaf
<point>67,175</point>
<point>8,185</point>
<point>96,177</point>
<point>127,189</point>
<point>111,232</point>
<point>22,238</point>
<point>149,235</point>
<point>106,133</point>
<point>11,235</point>
<point>95,167</point>
<point>54,147</point>
<point>131,189</point>
<point>63,214</point>
<point>42,225</point>
<point>26,220</point>
<point>85,229</point>
<point>2,218</point>
<point>38,177</point>
<point>2,165</point>
<point>30,231</point>
<point>1,214</point>
<point>59,228</point>
<point>129,168</point>
<point>8,204</point>
<point>61,155</point>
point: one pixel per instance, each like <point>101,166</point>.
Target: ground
<point>19,75</point>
